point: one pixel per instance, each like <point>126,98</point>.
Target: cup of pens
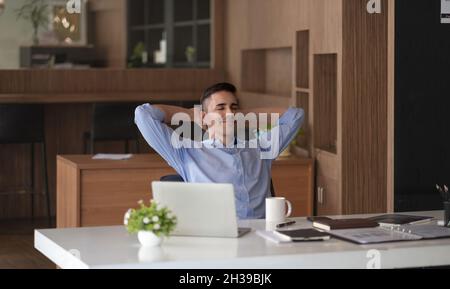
<point>445,194</point>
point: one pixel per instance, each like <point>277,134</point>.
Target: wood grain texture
<point>295,182</point>
<point>327,179</point>
<point>253,77</point>
<point>71,98</point>
<point>247,28</point>
<point>108,193</point>
<point>68,95</point>
<point>98,192</point>
<point>108,30</point>
<point>65,125</point>
<point>360,109</point>
<point>325,102</point>
<point>218,37</point>
<point>267,71</point>
<point>364,108</point>
<point>329,202</point>
<point>302,59</point>
<point>302,101</point>
<point>391,106</point>
<point>107,81</point>
<point>68,195</point>
<point>17,245</point>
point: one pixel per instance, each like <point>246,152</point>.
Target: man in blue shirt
<point>222,158</point>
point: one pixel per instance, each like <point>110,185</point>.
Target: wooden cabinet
<point>98,192</point>
<point>292,178</point>
<point>327,189</point>
<point>327,195</point>
<point>331,59</point>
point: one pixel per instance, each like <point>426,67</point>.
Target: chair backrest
<point>21,123</point>
<point>113,121</point>
<point>172,178</point>
<point>178,178</point>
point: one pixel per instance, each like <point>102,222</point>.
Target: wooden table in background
<point>98,192</point>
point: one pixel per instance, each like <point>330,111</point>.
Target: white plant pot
<point>149,254</point>
<point>149,239</point>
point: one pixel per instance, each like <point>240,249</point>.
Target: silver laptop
<point>206,210</point>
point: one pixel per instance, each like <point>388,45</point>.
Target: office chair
<point>178,178</point>
<point>112,122</point>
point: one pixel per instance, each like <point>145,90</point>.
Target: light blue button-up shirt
<point>243,167</point>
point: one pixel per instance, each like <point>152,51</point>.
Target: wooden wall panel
<point>218,39</point>
<point>253,76</point>
<point>364,108</point>
<point>108,31</point>
<point>302,59</point>
<point>390,105</point>
<point>68,95</point>
<point>106,81</point>
<point>65,126</point>
<point>325,102</point>
<point>266,24</point>
<point>279,71</point>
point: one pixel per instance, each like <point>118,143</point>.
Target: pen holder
<point>446,214</point>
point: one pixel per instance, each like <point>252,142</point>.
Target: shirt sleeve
<point>289,124</point>
<point>150,121</point>
<point>287,128</point>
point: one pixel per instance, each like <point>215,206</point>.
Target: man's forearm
<point>170,111</point>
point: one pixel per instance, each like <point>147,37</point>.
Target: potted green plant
<point>300,138</point>
<point>190,53</point>
<point>151,223</point>
<point>137,58</point>
<point>35,11</point>
<point>298,141</point>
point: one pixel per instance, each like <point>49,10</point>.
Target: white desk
<point>113,247</point>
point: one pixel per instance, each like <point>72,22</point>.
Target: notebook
<point>303,235</point>
<point>339,224</point>
<point>398,219</point>
<point>392,234</point>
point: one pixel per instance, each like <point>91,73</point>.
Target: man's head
<point>218,101</point>
<point>220,97</point>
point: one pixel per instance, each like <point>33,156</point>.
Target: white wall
<point>13,34</point>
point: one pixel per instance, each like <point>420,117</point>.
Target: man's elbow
<point>299,117</point>
<point>138,113</point>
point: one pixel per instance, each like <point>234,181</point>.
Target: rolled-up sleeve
<point>286,129</point>
<point>289,124</point>
<point>150,121</point>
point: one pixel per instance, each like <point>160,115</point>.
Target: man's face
<point>217,107</point>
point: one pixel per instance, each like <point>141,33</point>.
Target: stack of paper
<point>112,156</point>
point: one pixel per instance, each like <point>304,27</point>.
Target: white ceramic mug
<point>276,209</point>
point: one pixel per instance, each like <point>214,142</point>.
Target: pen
<point>281,225</point>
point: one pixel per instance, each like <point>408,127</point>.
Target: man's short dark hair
<point>223,86</point>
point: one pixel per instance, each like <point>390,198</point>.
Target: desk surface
<point>113,247</point>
